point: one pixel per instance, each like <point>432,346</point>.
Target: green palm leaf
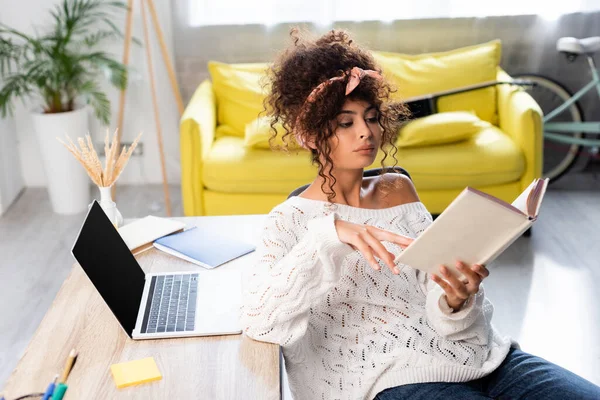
<point>62,65</point>
<point>17,85</point>
<point>9,53</point>
<point>97,99</point>
<point>114,70</point>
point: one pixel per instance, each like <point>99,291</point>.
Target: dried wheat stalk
<point>115,161</point>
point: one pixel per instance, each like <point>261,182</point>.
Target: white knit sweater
<point>348,331</point>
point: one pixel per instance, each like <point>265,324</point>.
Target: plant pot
<point>68,183</point>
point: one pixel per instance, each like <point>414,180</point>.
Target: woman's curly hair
<point>301,68</point>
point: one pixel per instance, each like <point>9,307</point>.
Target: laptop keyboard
<point>171,304</point>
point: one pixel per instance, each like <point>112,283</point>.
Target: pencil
<point>50,388</point>
<point>68,366</point>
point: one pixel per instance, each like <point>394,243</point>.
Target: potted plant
<point>61,71</point>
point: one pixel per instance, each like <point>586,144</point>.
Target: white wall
<point>11,179</point>
<point>30,14</point>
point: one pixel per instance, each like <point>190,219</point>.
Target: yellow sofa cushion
<point>441,128</point>
<point>487,158</point>
<point>239,93</point>
<point>426,73</point>
<point>258,132</point>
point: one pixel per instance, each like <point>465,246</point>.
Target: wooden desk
<point>221,367</point>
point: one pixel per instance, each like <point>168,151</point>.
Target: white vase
<point>68,183</point>
<point>110,207</point>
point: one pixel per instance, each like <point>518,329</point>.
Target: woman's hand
<point>457,291</point>
<point>367,239</point>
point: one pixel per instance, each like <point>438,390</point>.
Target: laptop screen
<point>109,264</point>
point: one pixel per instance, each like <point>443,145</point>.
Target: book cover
<point>475,228</point>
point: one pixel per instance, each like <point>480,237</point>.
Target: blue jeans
<point>520,376</point>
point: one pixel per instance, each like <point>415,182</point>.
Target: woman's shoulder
<point>395,189</point>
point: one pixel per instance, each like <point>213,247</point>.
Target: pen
<point>68,366</point>
<point>50,388</point>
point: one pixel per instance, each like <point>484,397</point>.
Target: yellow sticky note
<point>135,372</point>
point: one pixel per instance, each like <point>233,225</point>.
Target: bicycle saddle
<point>573,45</point>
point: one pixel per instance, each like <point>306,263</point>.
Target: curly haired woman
<point>352,324</point>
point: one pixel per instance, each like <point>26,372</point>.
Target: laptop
<point>158,305</point>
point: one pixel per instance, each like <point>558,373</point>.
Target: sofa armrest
<point>197,133</point>
<point>520,117</point>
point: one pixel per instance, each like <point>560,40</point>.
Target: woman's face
<point>357,135</point>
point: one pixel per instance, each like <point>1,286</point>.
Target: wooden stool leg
<point>165,56</point>
<point>128,28</point>
<point>156,112</point>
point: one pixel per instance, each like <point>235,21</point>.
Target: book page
<point>536,197</point>
<point>521,201</point>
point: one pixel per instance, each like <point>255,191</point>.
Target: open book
<point>475,228</point>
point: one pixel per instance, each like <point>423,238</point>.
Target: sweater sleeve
<point>472,323</point>
<point>290,275</point>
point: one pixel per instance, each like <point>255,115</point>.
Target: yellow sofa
<point>221,175</point>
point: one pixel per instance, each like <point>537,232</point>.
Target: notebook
<point>203,248</point>
<point>140,234</point>
<point>475,228</point>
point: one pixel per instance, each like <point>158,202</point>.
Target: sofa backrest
<point>240,91</point>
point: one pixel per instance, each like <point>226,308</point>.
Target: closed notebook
<point>140,234</point>
<point>475,228</point>
<point>203,248</point>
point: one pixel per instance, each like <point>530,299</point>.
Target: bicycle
<point>566,132</point>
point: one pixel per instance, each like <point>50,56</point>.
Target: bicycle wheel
<point>558,157</point>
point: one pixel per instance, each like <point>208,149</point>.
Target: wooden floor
<point>544,288</point>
